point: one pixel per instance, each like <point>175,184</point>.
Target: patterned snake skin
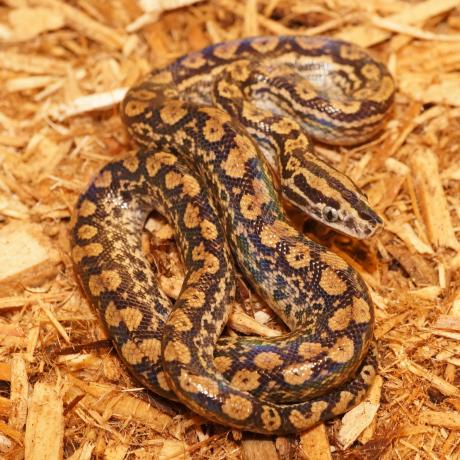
<point>197,122</point>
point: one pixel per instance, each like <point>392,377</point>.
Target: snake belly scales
<point>216,130</point>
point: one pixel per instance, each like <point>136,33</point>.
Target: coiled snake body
<point>201,169</point>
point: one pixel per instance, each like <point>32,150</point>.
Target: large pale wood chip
<point>368,35</point>
<point>86,25</point>
<point>432,199</point>
<point>19,392</point>
<point>449,420</point>
<point>27,257</point>
<point>256,447</point>
<point>314,443</point>
<point>45,424</point>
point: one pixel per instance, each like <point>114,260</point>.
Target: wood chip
<point>432,199</point>
<point>121,406</point>
<point>360,417</point>
<point>19,394</point>
<point>254,448</point>
<point>449,420</point>
<point>45,424</point>
<point>314,443</point>
<point>26,257</point>
<point>439,383</point>
<point>81,22</point>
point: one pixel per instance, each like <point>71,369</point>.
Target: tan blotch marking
<point>225,50</point>
<point>111,280</point>
<point>285,126</point>
<point>213,130</point>
<point>270,418</point>
<point>309,350</point>
<point>144,94</point>
<point>331,283</point>
<point>299,256</point>
<point>305,90</point>
<point>351,52</point>
<point>87,208</point>
<point>308,43</point>
<point>211,263</point>
<point>268,237</point>
<point>343,403</point>
<point>180,321</point>
<point>190,185</point>
<point>155,162</point>
<point>191,216</point>
<point>208,230</point>
<point>343,350</point>
<point>162,77</point>
<point>194,60</point>
<point>252,113</point>
<point>237,407</point>
<point>300,142</point>
<point>172,180</point>
<point>228,90</point>
<point>193,297</point>
<point>370,71</point>
<point>386,89</point>
<point>151,348</point>
<point>250,207</point>
<point>333,260</point>
<point>198,384</point>
<point>213,112</point>
<point>112,315</point>
<point>284,229</point>
<point>134,353</point>
<point>131,164</point>
<point>199,252</point>
<point>107,281</point>
<point>368,374</point>
<point>131,353</point>
<point>265,45</point>
<point>297,374</point>
<point>361,310</point>
<point>144,131</point>
<point>246,380</point>
<point>302,422</point>
<point>90,250</point>
<point>234,164</point>
<point>348,107</point>
<point>245,145</point>
<point>135,107</point>
<point>223,363</point>
<point>267,360</point>
<point>132,318</point>
<point>340,319</point>
<point>293,164</point>
<point>86,232</point>
<point>177,351</point>
<point>172,112</point>
<point>163,382</point>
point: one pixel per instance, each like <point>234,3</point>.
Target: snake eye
<point>330,214</point>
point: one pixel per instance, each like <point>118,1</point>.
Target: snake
<point>224,138</point>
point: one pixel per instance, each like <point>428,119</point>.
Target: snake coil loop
<point>197,122</point>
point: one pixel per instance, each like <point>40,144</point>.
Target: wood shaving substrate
<point>65,65</point>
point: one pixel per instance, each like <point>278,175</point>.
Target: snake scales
<point>196,122</point>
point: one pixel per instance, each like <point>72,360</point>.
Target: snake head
<point>330,197</point>
<point>358,220</point>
